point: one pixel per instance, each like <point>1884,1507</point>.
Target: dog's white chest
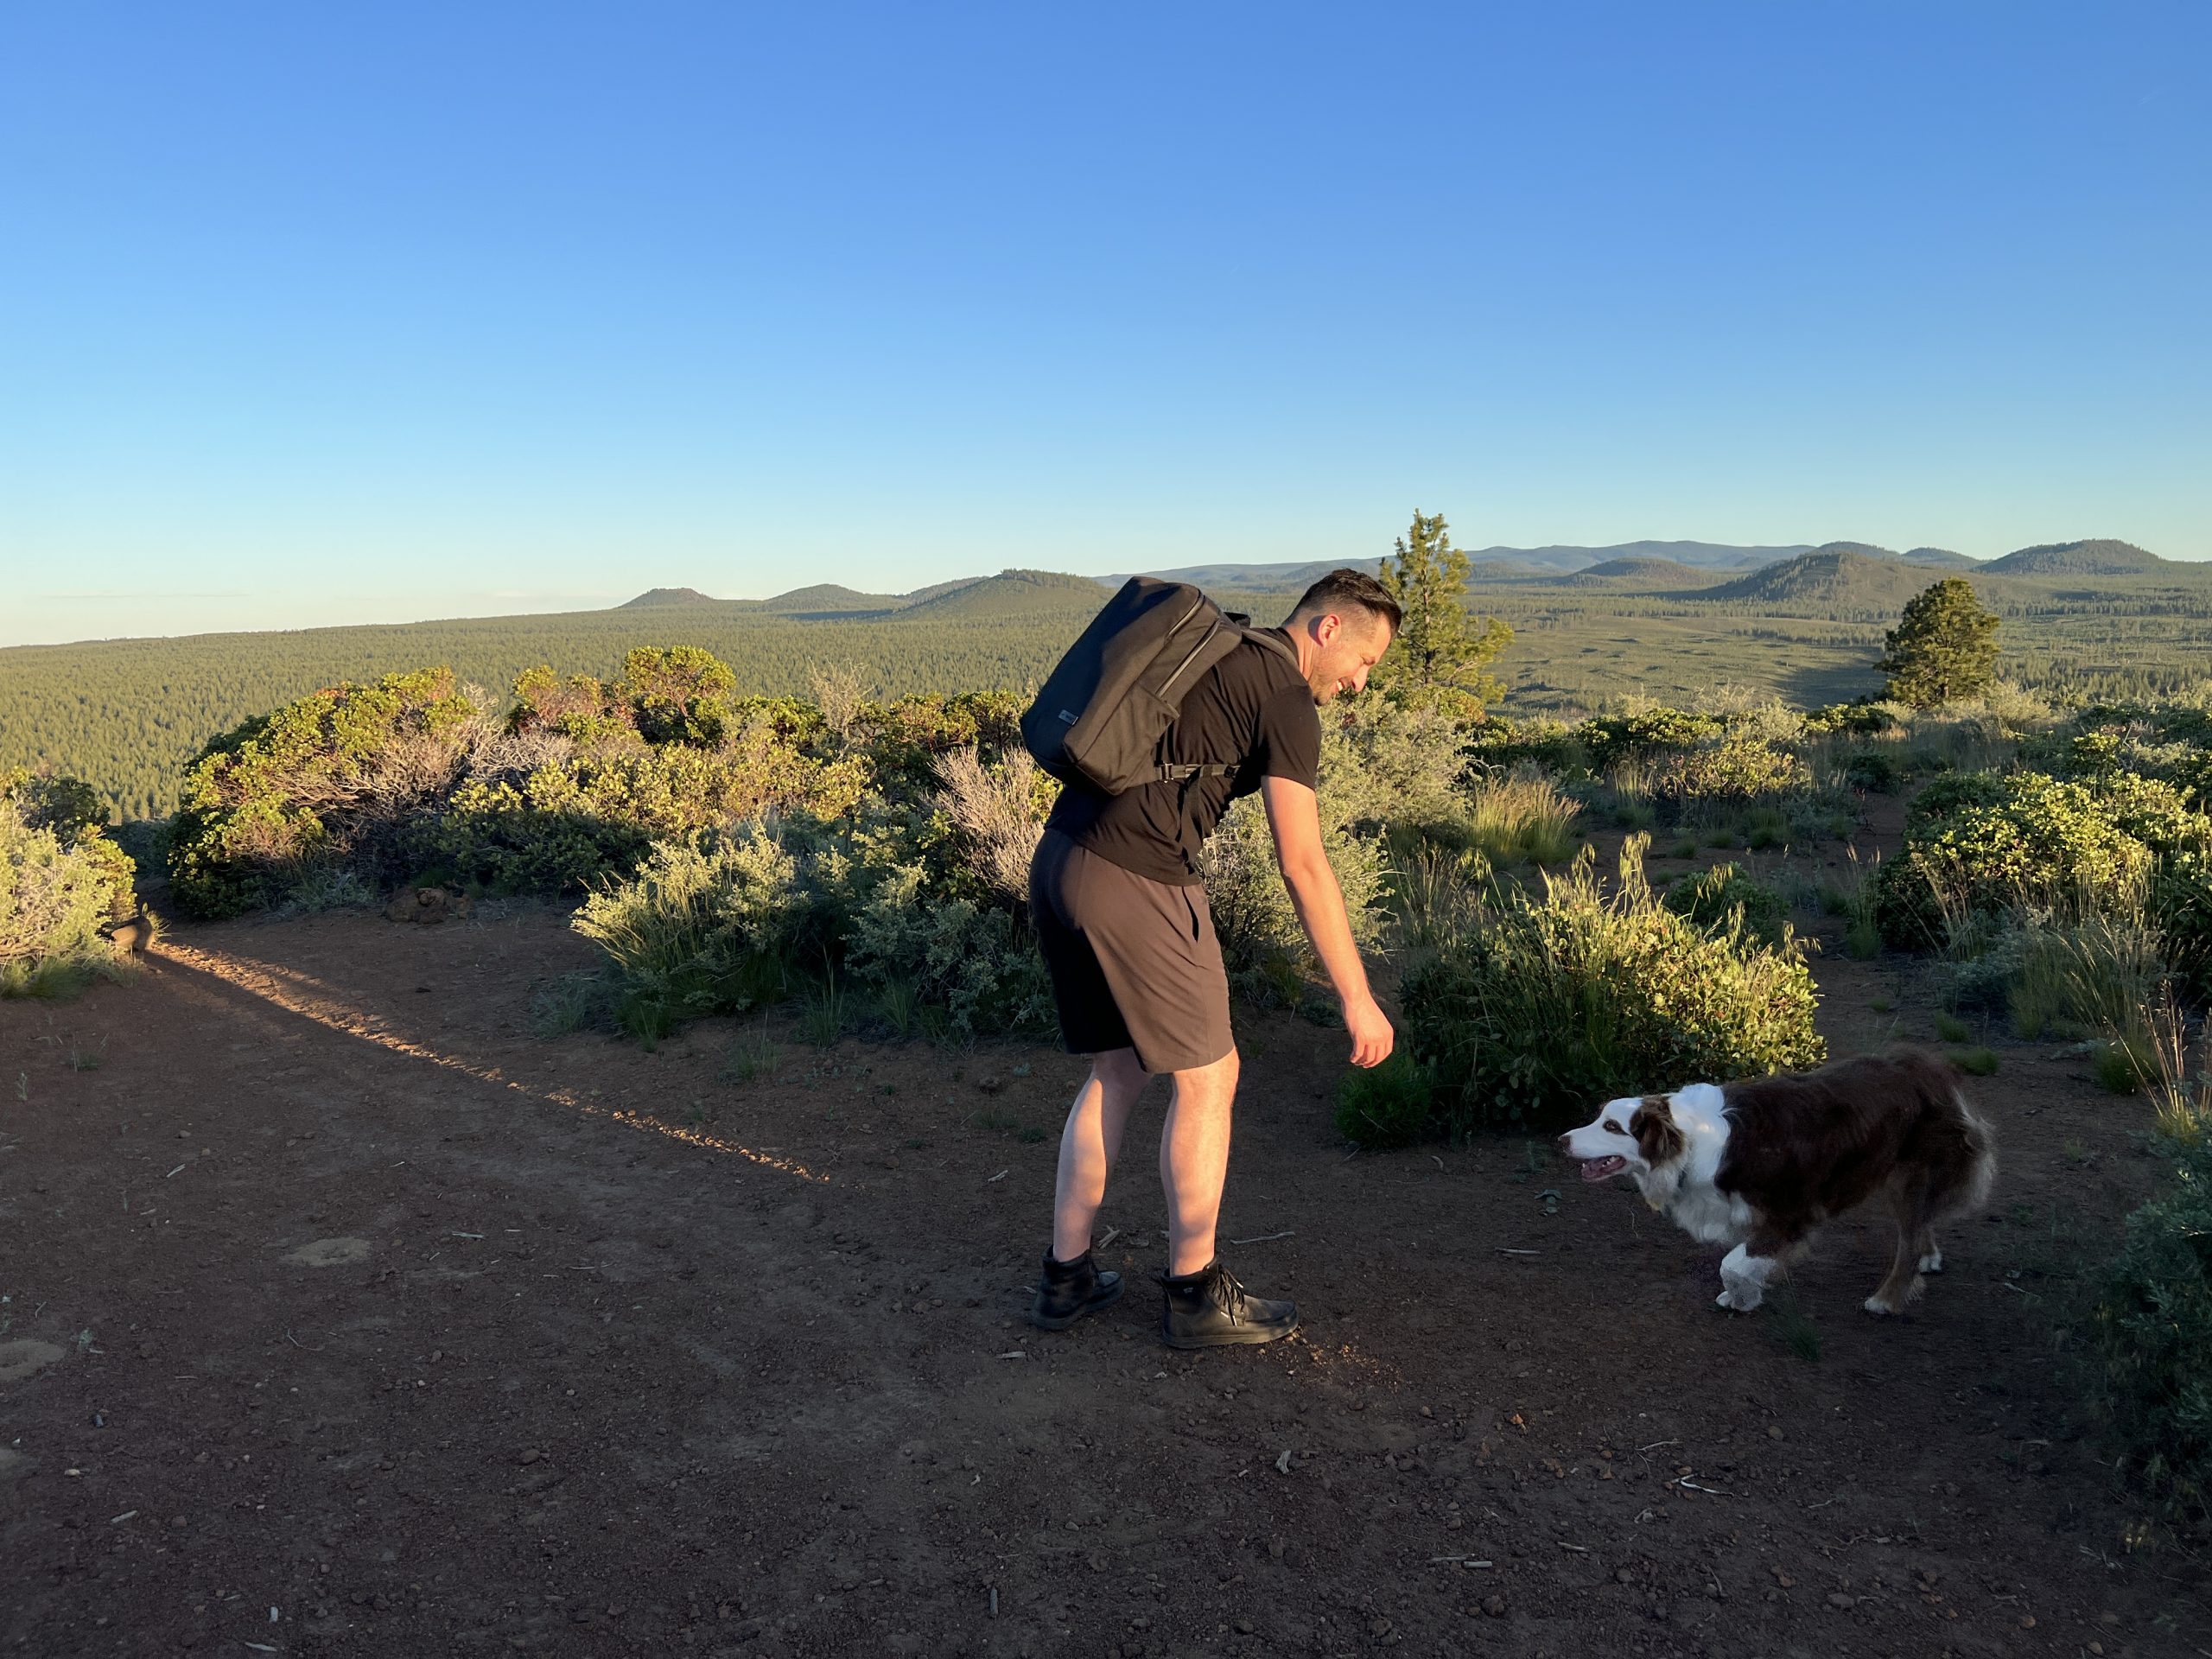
<point>1710,1216</point>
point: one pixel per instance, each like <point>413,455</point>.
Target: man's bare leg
<point>1194,1160</point>
<point>1088,1145</point>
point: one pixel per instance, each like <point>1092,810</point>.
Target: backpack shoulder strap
<point>1267,637</point>
<point>1185,773</point>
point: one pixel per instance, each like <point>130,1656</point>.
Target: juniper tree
<point>1943,648</point>
<point>1441,657</point>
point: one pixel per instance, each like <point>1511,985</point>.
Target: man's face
<point>1349,645</point>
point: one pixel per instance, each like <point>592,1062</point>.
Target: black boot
<point>1068,1290</point>
<point>1208,1309</point>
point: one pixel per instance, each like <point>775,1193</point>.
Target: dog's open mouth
<point>1599,1169</point>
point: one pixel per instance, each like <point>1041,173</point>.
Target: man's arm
<point>1296,819</point>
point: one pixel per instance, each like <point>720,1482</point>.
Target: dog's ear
<point>1653,1126</point>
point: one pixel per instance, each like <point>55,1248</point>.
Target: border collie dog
<point>1759,1163</point>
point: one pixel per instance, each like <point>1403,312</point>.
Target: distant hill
<point>655,597</point>
<point>1937,557</point>
<point>1498,564</point>
<point>1846,581</point>
<point>1703,555</point>
<point>827,599</point>
<point>1012,593</point>
<point>1864,549</point>
<point>1636,573</point>
<point>1249,578</point>
<point>1490,564</point>
<point>2091,558</point>
<point>935,588</point>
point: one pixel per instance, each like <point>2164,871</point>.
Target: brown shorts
<point>1134,961</point>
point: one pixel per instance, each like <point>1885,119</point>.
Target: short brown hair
<point>1354,589</point>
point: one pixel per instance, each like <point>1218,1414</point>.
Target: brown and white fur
<point>1759,1163</point>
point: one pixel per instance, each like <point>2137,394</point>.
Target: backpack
<point>1102,714</point>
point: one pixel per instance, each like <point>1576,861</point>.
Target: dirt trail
<point>375,1325</point>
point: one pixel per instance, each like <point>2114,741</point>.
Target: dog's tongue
<point>1599,1169</point>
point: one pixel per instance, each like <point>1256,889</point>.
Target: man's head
<point>1342,627</point>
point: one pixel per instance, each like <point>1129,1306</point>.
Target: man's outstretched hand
<point>1372,1039</point>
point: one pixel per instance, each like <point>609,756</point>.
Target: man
<point>1137,973</point>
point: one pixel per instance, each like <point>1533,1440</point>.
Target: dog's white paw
<point>1876,1304</point>
<point>1932,1262</point>
<point>1739,1299</point>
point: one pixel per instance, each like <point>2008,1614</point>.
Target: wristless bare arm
<point>1294,817</point>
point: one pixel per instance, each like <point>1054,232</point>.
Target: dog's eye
<point>1612,1128</point>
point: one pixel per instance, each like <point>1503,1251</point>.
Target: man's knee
<point>1215,1074</point>
<point>1118,1068</point>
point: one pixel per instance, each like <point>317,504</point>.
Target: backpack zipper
<point>1204,639</point>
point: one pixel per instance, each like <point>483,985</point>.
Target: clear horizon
<point>446,313</point>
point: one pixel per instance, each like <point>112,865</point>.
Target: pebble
<point>1495,1606</point>
<point>1774,1431</point>
<point>1837,1599</point>
<point>532,1455</point>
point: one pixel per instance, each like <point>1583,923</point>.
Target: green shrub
<point>977,966</point>
<point>1975,1062</point>
<point>61,880</point>
<point>1643,734</point>
<point>827,1015</point>
<point>1708,896</point>
<point>553,817</point>
<point>2091,977</point>
<point>2153,1330</point>
<point>904,739</point>
<point>991,816</point>
<point>1549,744</point>
<point>334,778</point>
<point>1557,1000</point>
<point>1736,768</point>
<point>2120,1068</point>
<point>1855,718</point>
<point>1385,764</point>
<point>1950,1028</point>
<point>1979,843</point>
<point>1387,1105</point>
<point>1766,827</point>
<point>1874,772</point>
<point>529,835</point>
<point>2180,897</point>
<point>571,1003</point>
<point>750,1058</point>
<point>702,928</point>
<point>1435,894</point>
<point>1520,815</point>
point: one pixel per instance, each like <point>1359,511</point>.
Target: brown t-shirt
<point>1253,711</point>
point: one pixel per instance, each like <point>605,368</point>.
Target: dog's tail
<point>1964,1180</point>
<point>1981,1174</point>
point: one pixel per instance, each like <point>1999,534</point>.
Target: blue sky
<point>354,312</point>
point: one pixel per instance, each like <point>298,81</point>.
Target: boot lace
<point>1227,1294</point>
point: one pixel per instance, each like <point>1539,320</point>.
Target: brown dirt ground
<point>376,1325</point>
